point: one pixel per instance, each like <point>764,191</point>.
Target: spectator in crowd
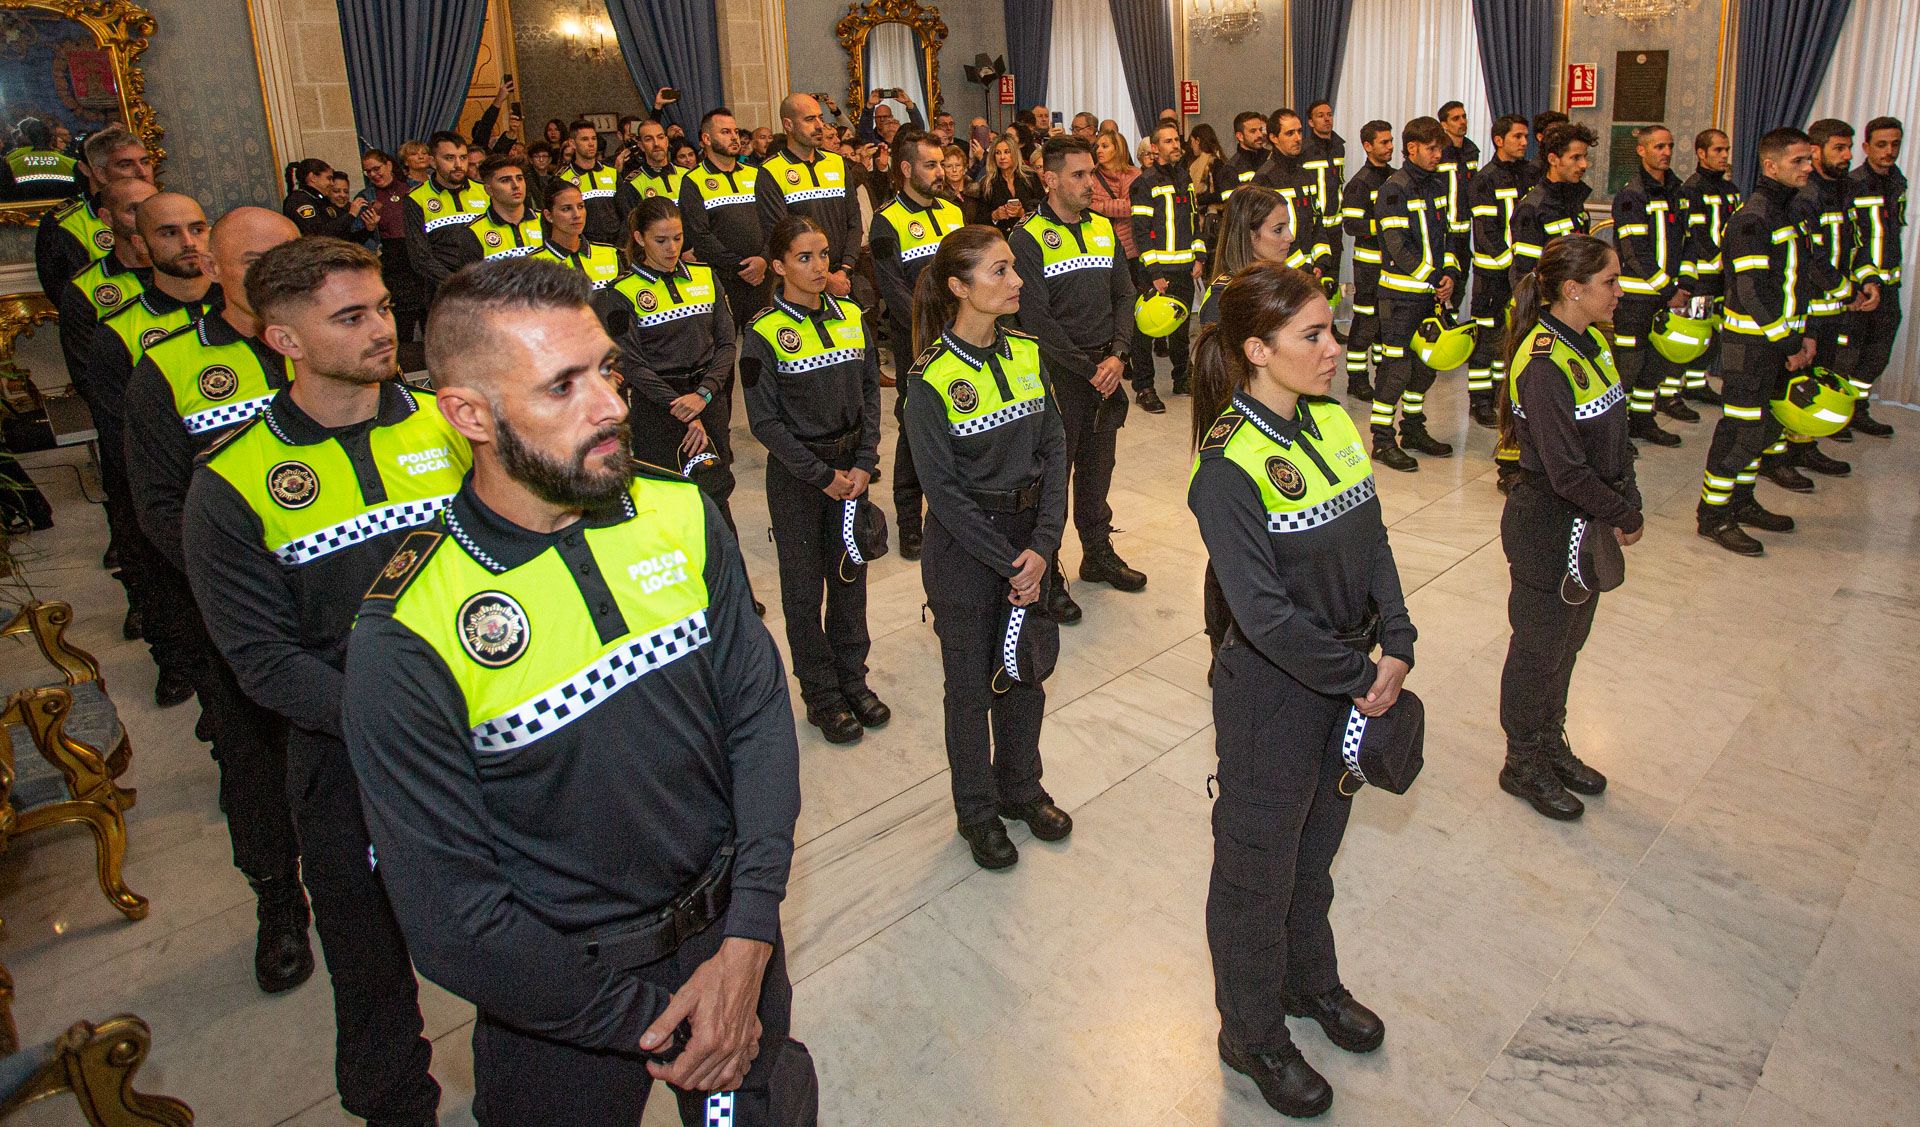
<point>1010,192</point>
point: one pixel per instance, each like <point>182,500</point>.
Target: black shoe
<point>1047,821</point>
<point>1844,434</point>
<point>172,688</point>
<point>992,848</point>
<point>1781,473</point>
<point>1505,477</point>
<point>1643,427</point>
<point>1483,414</point>
<point>1059,601</point>
<point>1181,387</point>
<point>1865,423</point>
<point>868,708</point>
<point>1347,1023</point>
<point>134,626</point>
<point>1149,401</point>
<point>282,956</point>
<point>911,541</point>
<point>1389,454</point>
<point>1810,458</point>
<point>836,722</point>
<point>1287,1082</point>
<point>1674,407</point>
<point>1751,514</point>
<point>1572,773</point>
<point>1414,437</point>
<point>1726,532</point>
<point>110,559</point>
<point>1528,776</point>
<point>203,728</point>
<point>1101,564</point>
<point>1703,394</point>
<point>1359,388</point>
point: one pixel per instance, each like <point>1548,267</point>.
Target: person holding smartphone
<point>1010,193</point>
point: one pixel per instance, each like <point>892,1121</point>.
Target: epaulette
<point>755,319</point>
<point>1542,343</point>
<point>227,439</point>
<point>1022,335</point>
<point>68,208</point>
<point>658,473</point>
<point>405,564</point>
<point>1222,433</point>
<point>927,356</point>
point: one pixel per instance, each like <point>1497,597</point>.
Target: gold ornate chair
<point>69,780</point>
<point>96,1064</point>
<point>94,720</point>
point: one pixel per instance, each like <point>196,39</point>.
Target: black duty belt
<point>1007,500</point>
<point>660,933</point>
<point>1360,639</point>
<point>837,446</point>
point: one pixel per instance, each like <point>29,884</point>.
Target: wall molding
<point>271,34</point>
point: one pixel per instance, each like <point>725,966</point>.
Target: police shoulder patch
<point>304,211</point>
<point>406,563</point>
<point>1542,343</point>
<point>1222,432</point>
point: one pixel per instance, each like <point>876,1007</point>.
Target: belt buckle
<point>686,921</point>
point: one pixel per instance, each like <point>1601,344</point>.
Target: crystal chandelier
<point>1227,20</point>
<point>1640,13</point>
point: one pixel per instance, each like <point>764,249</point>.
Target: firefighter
<point>1650,229</point>
<point>1418,272</point>
<point>1492,197</point>
<point>1711,200</point>
<point>1357,218</point>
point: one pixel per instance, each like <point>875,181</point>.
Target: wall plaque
<point>1640,86</point>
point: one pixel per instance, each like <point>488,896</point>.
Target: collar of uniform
<point>499,545</point>
<point>678,273</point>
<point>1287,163</point>
<point>970,354</point>
<point>1575,192</point>
<point>215,330</point>
<point>1709,174</point>
<point>829,309</point>
<point>1774,188</point>
<point>494,215</point>
<point>906,203</point>
<point>1511,166</point>
<point>707,165</point>
<point>787,155</point>
<point>1046,209</point>
<point>1420,176</point>
<point>295,427</point>
<point>158,300</point>
<point>660,173</point>
<point>1657,188</point>
<point>1581,343</point>
<point>598,164</point>
<point>433,181</point>
<point>1284,431</point>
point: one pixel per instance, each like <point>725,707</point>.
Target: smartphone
<point>514,107</point>
<point>1059,118</point>
<point>983,135</point>
<point>670,95</point>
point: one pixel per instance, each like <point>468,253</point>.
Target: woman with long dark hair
<point>1283,492</point>
<point>1564,409</point>
<point>309,206</point>
<point>993,456</point>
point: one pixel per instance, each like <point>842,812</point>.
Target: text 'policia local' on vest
<point>1304,485</point>
<point>442,208</point>
<point>976,405</point>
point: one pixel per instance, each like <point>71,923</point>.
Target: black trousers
<point>403,285</point>
<point>1641,365</point>
<point>1140,361</point>
<point>993,740</point>
<point>1753,371</point>
<point>1336,240</point>
<point>1488,363</point>
<point>1694,377</point>
<point>657,436</point>
<point>1547,633</point>
<point>1363,331</point>
<point>250,745</point>
<point>521,1080</point>
<point>1093,430</point>
<point>907,496</point>
<point>830,657</point>
<point>1402,379</point>
<point>1276,827</point>
<point>1873,336</point>
<point>381,1060</point>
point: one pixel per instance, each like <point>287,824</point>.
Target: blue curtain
<point>1029,39</point>
<point>1517,49</point>
<point>1145,31</point>
<point>672,43</point>
<point>408,64</point>
<point>1784,48</point>
<point>1319,45</point>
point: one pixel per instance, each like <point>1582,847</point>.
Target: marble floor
<point>1731,935</point>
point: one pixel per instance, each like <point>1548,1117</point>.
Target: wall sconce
<point>585,32</point>
<point>1227,20</point>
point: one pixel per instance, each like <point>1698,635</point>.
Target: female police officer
<point>1283,491</point>
<point>1565,411</point>
<point>993,459</point>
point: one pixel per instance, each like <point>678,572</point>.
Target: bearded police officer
<point>654,174</point>
<point>721,214</point>
<point>805,178</point>
<point>110,281</point>
<point>576,634</point>
<point>508,228</point>
<point>73,235</point>
<point>446,199</point>
<point>598,182</point>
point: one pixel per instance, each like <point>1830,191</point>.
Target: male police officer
<point>1356,216</point>
<point>1324,154</point>
<point>1285,173</point>
<point>1172,257</point>
<point>507,229</point>
<point>808,179</point>
<point>73,235</point>
<point>39,170</point>
<point>110,281</point>
<point>1880,215</point>
<point>721,216</point>
<point>1077,300</point>
<point>1418,273</point>
<point>598,182</point>
<point>446,199</point>
<point>1650,232</point>
<point>576,633</point>
<point>1711,201</point>
<point>1492,197</point>
<point>654,175</point>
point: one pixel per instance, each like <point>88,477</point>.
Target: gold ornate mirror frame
<point>122,29</point>
<point>927,27</point>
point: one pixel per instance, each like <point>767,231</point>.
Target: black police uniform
<point>675,334</point>
<point>820,189</point>
<point>281,613</point>
<point>1312,587</point>
<point>1459,164</point>
<point>69,237</point>
<point>599,186</point>
<point>1326,159</point>
<point>1650,232</point>
<point>646,182</point>
<point>993,453</point>
<point>1415,250</point>
<point>1879,206</point>
<point>1166,232</point>
<point>812,380</point>
<point>315,214</point>
<point>100,288</point>
<point>721,217</point>
<point>672,756</point>
<point>1363,331</point>
<point>1492,196</point>
<point>1549,210</point>
<point>448,206</point>
<point>1711,201</point>
<point>1299,186</point>
<point>1576,480</point>
<point>903,239</point>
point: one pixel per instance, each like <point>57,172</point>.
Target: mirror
<point>901,31</point>
<point>68,68</point>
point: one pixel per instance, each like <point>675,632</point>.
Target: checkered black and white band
<point>1574,541</point>
<point>913,254</point>
<point>816,194</point>
<point>225,415</point>
<point>449,220</point>
<point>373,522</point>
<point>1077,262</point>
<point>1325,512</point>
<point>720,1110</point>
<point>580,694</point>
<point>1594,408</point>
<point>596,193</point>
<point>692,309</point>
<point>823,360</point>
<point>1010,645</point>
<point>998,418</point>
<point>1259,424</point>
<point>514,252</point>
<point>712,202</point>
<point>1350,743</point>
<point>847,511</point>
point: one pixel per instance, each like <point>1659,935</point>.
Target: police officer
<point>561,563</point>
<point>1492,196</point>
<point>598,182</point>
<point>508,228</point>
<point>287,523</point>
<point>1324,154</point>
<point>1650,228</point>
<point>670,319</point>
<point>1250,151</point>
<point>1357,218</point>
<point>309,201</point>
<point>446,199</point>
<point>566,240</point>
<point>721,214</point>
<point>806,178</point>
<point>1879,201</point>
<point>812,380</point>
<point>1418,272</point>
<point>191,388</point>
<point>653,175</point>
<point>995,457</point>
<point>1284,496</point>
<point>1826,201</point>
<point>1767,251</point>
<point>1078,303</point>
<point>1565,413</point>
<point>73,235</point>
<point>1711,201</point>
<point>1166,229</point>
<point>904,237</point>
<point>1459,162</point>
<point>39,170</point>
<point>1286,173</point>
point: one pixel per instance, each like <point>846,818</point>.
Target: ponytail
<point>1216,376</point>
<point>299,170</point>
<point>1569,258</point>
<point>288,176</point>
<point>934,302</point>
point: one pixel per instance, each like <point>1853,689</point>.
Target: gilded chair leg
<point>110,846</point>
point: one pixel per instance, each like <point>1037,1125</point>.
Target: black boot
<point>1750,513</point>
<point>1674,407</point>
<point>1643,427</point>
<point>1059,601</point>
<point>1047,821</point>
<point>134,626</point>
<point>1182,387</point>
<point>1865,423</point>
<point>1703,394</point>
<point>1358,387</point>
<point>911,541</point>
<point>1347,1023</point>
<point>1527,775</point>
<point>1505,476</point>
<point>992,848</point>
<point>282,956</point>
<point>1810,458</point>
<point>837,723</point>
<point>173,687</point>
<point>1573,774</point>
<point>1414,437</point>
<point>1483,413</point>
<point>1387,452</point>
<point>868,708</point>
<point>1844,434</point>
<point>1101,564</point>
<point>1721,528</point>
<point>1149,401</point>
<point>1778,469</point>
<point>1287,1082</point>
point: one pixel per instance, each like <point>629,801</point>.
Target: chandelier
<point>1226,20</point>
<point>584,31</point>
<point>1640,13</point>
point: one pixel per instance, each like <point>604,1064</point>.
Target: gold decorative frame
<point>927,26</point>
<point>123,29</point>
